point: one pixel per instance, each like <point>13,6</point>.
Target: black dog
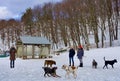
<point>94,64</point>
<point>50,71</point>
<point>110,62</point>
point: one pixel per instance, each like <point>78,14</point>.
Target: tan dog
<point>49,62</point>
<point>70,69</point>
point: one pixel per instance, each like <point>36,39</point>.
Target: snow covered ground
<point>31,69</point>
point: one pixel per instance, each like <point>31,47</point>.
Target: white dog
<point>70,69</point>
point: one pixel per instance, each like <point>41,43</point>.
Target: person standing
<point>80,54</point>
<point>71,56</point>
<point>12,56</point>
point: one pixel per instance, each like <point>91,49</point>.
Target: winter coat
<point>80,53</point>
<point>12,53</point>
<point>71,52</point>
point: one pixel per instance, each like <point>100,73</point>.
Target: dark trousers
<point>12,62</point>
<point>81,62</point>
<point>71,59</point>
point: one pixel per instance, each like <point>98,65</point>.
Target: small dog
<point>70,69</point>
<point>49,62</point>
<point>50,71</point>
<point>110,62</point>
<point>94,64</point>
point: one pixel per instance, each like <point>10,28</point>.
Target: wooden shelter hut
<point>33,47</point>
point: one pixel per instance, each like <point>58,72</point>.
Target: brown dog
<point>94,64</point>
<point>49,62</point>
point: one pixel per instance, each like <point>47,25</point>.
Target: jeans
<point>71,59</point>
<point>81,60</point>
<point>12,63</point>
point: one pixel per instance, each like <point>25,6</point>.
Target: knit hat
<point>80,46</point>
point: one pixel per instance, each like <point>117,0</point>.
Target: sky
<point>15,8</point>
<point>31,69</point>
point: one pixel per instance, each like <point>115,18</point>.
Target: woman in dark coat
<point>12,56</point>
<point>71,55</point>
<point>80,54</point>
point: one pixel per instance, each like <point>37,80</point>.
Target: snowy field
<point>31,69</point>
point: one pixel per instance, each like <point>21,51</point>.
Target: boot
<point>73,65</point>
<point>81,64</point>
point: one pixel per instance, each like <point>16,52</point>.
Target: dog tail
<point>104,58</point>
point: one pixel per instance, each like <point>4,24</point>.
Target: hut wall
<point>44,51</point>
<point>19,51</point>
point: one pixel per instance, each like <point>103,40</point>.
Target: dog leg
<point>112,66</point>
<point>95,67</point>
<point>92,66</point>
<point>48,75</point>
<point>67,75</point>
<point>103,66</point>
<point>75,75</point>
<point>106,66</point>
<point>45,75</point>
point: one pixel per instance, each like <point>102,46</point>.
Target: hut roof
<point>34,40</point>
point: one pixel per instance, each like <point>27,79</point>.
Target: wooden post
<point>23,51</point>
<point>26,53</point>
<point>39,51</point>
<point>33,48</point>
<point>49,49</point>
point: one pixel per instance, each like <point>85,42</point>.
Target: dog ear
<point>55,63</point>
<point>63,65</point>
<point>115,60</point>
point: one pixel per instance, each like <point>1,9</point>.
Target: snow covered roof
<point>34,40</point>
